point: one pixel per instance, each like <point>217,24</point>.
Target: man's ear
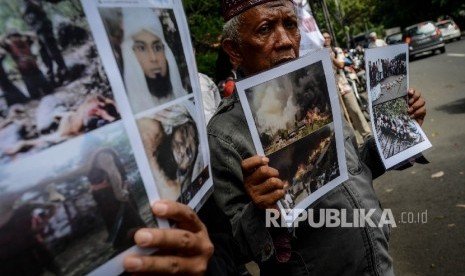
<point>232,49</point>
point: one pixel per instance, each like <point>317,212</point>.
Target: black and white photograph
<point>75,212</point>
<point>147,47</point>
<point>52,84</point>
<point>397,136</point>
<point>295,121</point>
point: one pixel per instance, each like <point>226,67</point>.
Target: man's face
<point>150,53</point>
<point>184,145</point>
<point>327,38</point>
<point>270,36</point>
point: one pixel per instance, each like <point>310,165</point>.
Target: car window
<point>394,38</point>
<point>445,25</point>
<point>426,28</point>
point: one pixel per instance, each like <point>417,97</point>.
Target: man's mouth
<point>156,71</point>
<point>283,60</point>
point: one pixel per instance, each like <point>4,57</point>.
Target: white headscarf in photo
<point>176,115</point>
<point>134,21</point>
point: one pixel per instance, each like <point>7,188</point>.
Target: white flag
<point>311,37</point>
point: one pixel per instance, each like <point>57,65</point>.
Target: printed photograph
<point>52,84</point>
<point>173,148</point>
<point>388,84</point>
<point>74,212</point>
<point>147,47</point>
<point>292,118</point>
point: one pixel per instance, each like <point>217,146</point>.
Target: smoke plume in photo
<point>279,103</point>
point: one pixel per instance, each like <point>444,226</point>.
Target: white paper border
<point>389,52</point>
<point>323,56</point>
<point>114,265</point>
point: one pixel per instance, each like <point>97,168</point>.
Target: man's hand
<point>185,250</point>
<point>416,103</point>
<point>261,182</point>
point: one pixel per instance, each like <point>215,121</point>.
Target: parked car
<point>394,38</point>
<point>449,30</point>
<point>423,37</point>
<point>360,39</point>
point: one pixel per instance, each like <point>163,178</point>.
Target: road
<point>428,201</point>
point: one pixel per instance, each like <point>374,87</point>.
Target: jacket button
<point>267,248</point>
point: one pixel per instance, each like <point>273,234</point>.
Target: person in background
<point>259,35</point>
<point>375,41</point>
<point>19,45</point>
<point>109,188</point>
<point>210,96</point>
<point>354,111</point>
<point>11,92</point>
<point>36,17</point>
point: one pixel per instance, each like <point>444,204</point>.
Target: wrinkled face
<point>184,145</point>
<point>270,36</point>
<point>150,53</point>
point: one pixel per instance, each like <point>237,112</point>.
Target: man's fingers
<point>269,200</point>
<point>417,109</point>
<point>250,164</point>
<point>413,94</point>
<point>165,265</point>
<point>261,174</point>
<point>172,239</point>
<point>419,115</point>
<point>181,214</point>
<point>269,186</point>
<point>185,250</point>
<point>413,107</point>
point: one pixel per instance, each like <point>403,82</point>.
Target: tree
<point>205,24</point>
<point>402,13</point>
<point>348,17</point>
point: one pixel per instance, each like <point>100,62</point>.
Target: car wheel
<point>443,50</point>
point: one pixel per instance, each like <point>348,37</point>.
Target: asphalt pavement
<point>428,201</point>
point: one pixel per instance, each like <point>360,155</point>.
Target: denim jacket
<point>315,251</point>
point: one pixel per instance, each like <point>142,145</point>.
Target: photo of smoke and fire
<point>294,119</point>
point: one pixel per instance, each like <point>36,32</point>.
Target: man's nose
<point>283,37</point>
<point>152,54</point>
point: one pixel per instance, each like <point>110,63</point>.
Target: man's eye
<point>291,24</point>
<point>158,47</point>
<point>139,48</point>
<point>264,29</point>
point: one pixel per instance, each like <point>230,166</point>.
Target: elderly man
<point>375,41</point>
<point>258,35</point>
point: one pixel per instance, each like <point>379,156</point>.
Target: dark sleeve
<point>370,156</point>
<point>225,258</point>
<point>222,262</point>
<point>247,221</point>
